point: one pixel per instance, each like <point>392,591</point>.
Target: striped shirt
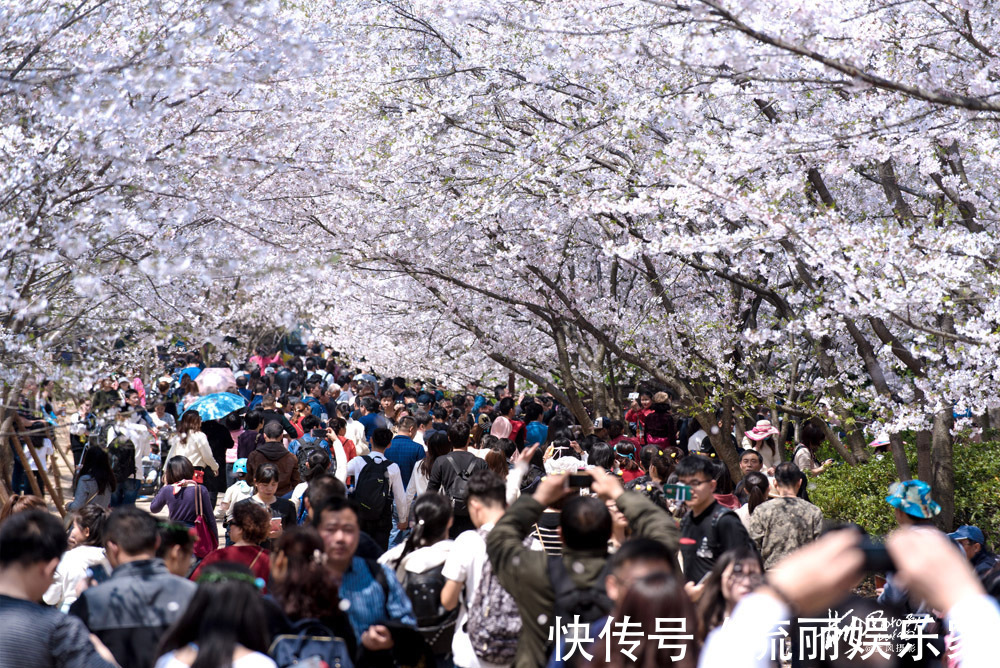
<point>368,604</point>
<point>37,637</point>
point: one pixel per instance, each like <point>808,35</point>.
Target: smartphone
<point>580,480</point>
<point>199,476</point>
<point>275,524</point>
<point>880,582</point>
<point>677,492</point>
<point>633,396</point>
<point>98,573</point>
<point>877,558</point>
<point>319,433</point>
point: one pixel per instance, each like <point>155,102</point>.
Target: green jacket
<point>524,572</point>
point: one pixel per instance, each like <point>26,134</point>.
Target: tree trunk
<point>835,441</point>
<point>899,457</point>
<point>722,443</point>
<point>924,471</point>
<point>943,469</point>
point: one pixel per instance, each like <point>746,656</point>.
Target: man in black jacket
<point>141,599</point>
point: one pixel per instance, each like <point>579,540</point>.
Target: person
<point>34,636</point>
<point>637,558</point>
<point>131,610</point>
<point>761,439</point>
<point>370,417</point>
<point>354,430</point>
<point>86,543</point>
<point>304,588</point>
<point>191,443</point>
<point>757,489</point>
<point>220,441</point>
<point>251,438</point>
<point>450,475</point>
<point>338,426</point>
<point>805,452</point>
<point>658,427</point>
<point>379,490</point>
<point>973,543</point>
<point>818,576</point>
<point>418,564</point>
<point>162,420</point>
<point>404,450</point>
<point>470,577</point>
<point>708,529</point>
<point>181,495</point>
<point>249,527</point>
<point>95,481</point>
<point>307,439</point>
<point>176,548</point>
<point>535,431</point>
<point>625,461</point>
<point>269,413</point>
<point>735,575</point>
<point>19,503</point>
<point>647,602</point>
<point>914,508</point>
<point>438,445</point>
<point>373,594</point>
<point>639,409</point>
<point>81,424</point>
<point>273,452</point>
<point>785,523</point>
<point>585,527</point>
<point>282,510</point>
<point>317,464</point>
<point>238,491</point>
<point>750,461</point>
<point>224,624</point>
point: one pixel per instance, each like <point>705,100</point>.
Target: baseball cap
<point>913,497</point>
<point>968,532</point>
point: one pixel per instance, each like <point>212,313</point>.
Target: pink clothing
<point>138,387</point>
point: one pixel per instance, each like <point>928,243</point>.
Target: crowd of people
<point>328,518</point>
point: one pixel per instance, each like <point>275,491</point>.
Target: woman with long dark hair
<point>757,488</point>
<point>95,481</point>
<point>304,588</point>
<point>736,574</point>
<point>655,597</point>
<point>626,458</point>
<point>180,494</point>
<point>418,563</point>
<point>224,625</point>
<point>438,445</point>
<point>86,542</point>
<point>190,442</point>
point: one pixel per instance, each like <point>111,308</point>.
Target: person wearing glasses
<point>708,529</point>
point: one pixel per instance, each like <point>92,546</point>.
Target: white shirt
<point>465,564</point>
<point>139,434</point>
<point>355,466</point>
<point>356,432</point>
<point>43,454</point>
<point>417,484</point>
<point>71,570</point>
<point>418,561</point>
<point>694,443</point>
<point>195,448</point>
<point>977,619</point>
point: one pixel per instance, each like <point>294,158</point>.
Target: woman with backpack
<point>306,592</point>
<point>224,625</point>
<point>418,563</point>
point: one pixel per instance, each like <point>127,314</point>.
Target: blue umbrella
<point>215,406</point>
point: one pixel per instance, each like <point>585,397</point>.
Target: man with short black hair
<point>135,606</point>
<point>380,527</point>
<point>423,419</point>
<point>273,451</point>
<point>269,413</point>
<point>35,636</point>
<point>708,529</point>
<point>370,417</point>
<point>373,593</point>
<point>450,475</point>
<point>585,525</point>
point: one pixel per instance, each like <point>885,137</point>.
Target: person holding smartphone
<point>282,510</point>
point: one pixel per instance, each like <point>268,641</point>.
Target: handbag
<point>207,537</point>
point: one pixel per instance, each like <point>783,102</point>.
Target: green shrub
<point>857,493</point>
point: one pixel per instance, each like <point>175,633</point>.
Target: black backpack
<point>121,452</point>
<point>373,491</point>
<point>309,639</point>
<point>590,603</point>
<point>435,623</point>
<point>459,488</point>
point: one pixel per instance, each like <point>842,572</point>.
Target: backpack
<point>373,491</point>
<point>494,621</point>
<point>458,491</point>
<point>435,623</point>
<point>306,449</point>
<point>590,603</point>
<point>309,639</point>
<point>121,452</point>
